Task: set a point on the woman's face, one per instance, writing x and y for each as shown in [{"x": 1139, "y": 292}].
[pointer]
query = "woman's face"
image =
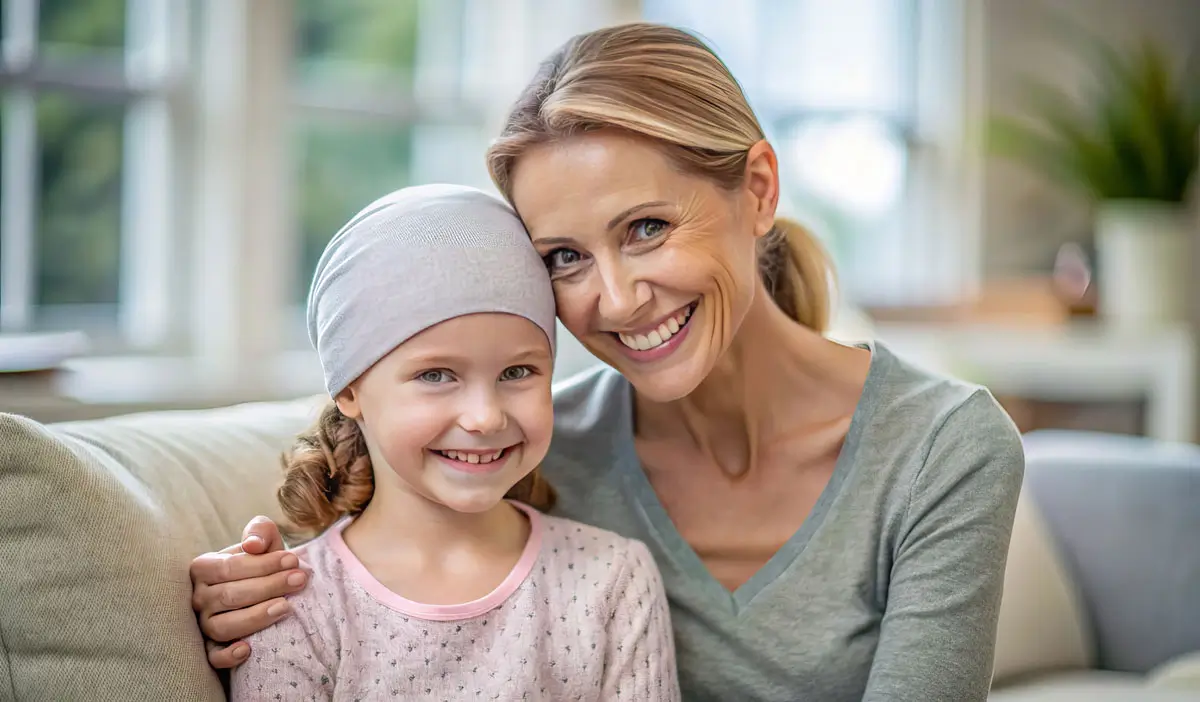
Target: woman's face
[{"x": 653, "y": 270}]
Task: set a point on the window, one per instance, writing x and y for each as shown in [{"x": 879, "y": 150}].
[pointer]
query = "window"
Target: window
[
  {"x": 389, "y": 93},
  {"x": 84, "y": 186},
  {"x": 858, "y": 98},
  {"x": 170, "y": 170},
  {"x": 352, "y": 130}
]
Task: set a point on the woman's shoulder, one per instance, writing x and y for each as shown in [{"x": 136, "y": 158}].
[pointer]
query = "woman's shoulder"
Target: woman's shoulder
[
  {"x": 924, "y": 402},
  {"x": 933, "y": 426},
  {"x": 592, "y": 425},
  {"x": 591, "y": 399}
]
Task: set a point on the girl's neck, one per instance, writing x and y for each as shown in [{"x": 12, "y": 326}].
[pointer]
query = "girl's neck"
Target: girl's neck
[
  {"x": 776, "y": 376},
  {"x": 399, "y": 519}
]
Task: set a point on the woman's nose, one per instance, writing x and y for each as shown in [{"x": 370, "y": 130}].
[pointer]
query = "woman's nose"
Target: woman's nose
[{"x": 622, "y": 294}]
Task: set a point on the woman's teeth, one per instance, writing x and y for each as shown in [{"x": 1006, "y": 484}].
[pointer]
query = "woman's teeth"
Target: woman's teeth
[
  {"x": 472, "y": 457},
  {"x": 658, "y": 337}
]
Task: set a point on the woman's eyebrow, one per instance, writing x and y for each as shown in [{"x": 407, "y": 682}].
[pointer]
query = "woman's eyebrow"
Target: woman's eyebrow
[
  {"x": 553, "y": 241},
  {"x": 625, "y": 214}
]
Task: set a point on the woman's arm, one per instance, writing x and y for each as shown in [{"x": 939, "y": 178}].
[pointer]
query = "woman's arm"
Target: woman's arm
[
  {"x": 639, "y": 664},
  {"x": 240, "y": 590},
  {"x": 938, "y": 634}
]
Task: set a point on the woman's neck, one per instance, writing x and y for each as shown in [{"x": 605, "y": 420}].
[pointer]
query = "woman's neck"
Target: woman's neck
[{"x": 777, "y": 378}]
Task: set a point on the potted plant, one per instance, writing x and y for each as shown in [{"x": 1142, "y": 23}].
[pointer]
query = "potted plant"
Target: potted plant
[{"x": 1129, "y": 145}]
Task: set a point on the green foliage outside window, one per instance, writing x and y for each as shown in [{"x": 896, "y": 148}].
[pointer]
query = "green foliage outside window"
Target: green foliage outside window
[
  {"x": 79, "y": 163},
  {"x": 341, "y": 164}
]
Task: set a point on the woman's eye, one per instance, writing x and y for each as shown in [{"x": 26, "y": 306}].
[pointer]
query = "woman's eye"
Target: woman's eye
[
  {"x": 647, "y": 229},
  {"x": 516, "y": 373},
  {"x": 561, "y": 258},
  {"x": 434, "y": 376}
]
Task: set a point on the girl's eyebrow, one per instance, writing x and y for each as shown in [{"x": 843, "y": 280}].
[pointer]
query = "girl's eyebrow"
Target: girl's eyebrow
[{"x": 451, "y": 359}]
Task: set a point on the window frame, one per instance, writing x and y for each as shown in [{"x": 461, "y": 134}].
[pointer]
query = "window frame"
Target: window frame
[
  {"x": 216, "y": 296},
  {"x": 147, "y": 82}
]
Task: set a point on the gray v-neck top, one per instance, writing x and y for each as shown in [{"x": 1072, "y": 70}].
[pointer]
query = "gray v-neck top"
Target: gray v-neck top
[{"x": 890, "y": 590}]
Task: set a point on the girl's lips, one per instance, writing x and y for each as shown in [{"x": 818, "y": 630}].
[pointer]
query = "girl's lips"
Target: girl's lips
[{"x": 476, "y": 468}]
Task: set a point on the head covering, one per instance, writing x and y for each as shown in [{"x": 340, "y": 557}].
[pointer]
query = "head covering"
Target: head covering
[{"x": 412, "y": 259}]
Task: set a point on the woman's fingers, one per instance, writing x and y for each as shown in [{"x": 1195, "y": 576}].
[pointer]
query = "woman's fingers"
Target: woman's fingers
[
  {"x": 261, "y": 535},
  {"x": 224, "y": 625},
  {"x": 231, "y": 564},
  {"x": 239, "y": 593},
  {"x": 229, "y": 656}
]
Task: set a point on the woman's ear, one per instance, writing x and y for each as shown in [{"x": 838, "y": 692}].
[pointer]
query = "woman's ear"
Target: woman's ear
[
  {"x": 762, "y": 185},
  {"x": 347, "y": 403}
]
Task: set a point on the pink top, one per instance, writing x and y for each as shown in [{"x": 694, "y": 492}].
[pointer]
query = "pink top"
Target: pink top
[
  {"x": 440, "y": 613},
  {"x": 582, "y": 616}
]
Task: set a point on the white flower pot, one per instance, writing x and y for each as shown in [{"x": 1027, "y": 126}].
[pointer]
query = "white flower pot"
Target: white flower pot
[{"x": 1144, "y": 262}]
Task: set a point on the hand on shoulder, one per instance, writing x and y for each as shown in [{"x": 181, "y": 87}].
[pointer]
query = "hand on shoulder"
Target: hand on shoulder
[{"x": 241, "y": 589}]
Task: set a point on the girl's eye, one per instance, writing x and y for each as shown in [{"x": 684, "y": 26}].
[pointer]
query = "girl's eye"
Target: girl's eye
[
  {"x": 647, "y": 229},
  {"x": 516, "y": 373},
  {"x": 435, "y": 377},
  {"x": 561, "y": 258}
]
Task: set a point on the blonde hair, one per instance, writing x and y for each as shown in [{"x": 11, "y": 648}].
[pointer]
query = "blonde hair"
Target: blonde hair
[
  {"x": 328, "y": 475},
  {"x": 665, "y": 85}
]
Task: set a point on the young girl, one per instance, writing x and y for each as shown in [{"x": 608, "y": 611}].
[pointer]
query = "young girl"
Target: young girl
[{"x": 435, "y": 576}]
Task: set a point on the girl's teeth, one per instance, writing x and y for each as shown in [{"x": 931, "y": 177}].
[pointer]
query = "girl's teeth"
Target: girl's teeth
[
  {"x": 472, "y": 457},
  {"x": 658, "y": 337}
]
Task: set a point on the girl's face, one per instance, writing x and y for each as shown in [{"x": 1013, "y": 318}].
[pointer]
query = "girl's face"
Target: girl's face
[
  {"x": 459, "y": 412},
  {"x": 654, "y": 270}
]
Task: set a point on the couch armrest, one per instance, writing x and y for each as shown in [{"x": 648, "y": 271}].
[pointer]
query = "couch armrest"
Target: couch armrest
[{"x": 1124, "y": 513}]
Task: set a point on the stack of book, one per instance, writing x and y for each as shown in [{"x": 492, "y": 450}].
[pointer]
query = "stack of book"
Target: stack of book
[{"x": 33, "y": 363}]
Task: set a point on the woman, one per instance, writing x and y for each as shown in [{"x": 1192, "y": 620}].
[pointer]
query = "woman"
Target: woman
[{"x": 831, "y": 523}]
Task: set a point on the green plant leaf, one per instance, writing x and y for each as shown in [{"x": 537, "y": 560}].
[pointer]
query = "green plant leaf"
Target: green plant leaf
[{"x": 1132, "y": 133}]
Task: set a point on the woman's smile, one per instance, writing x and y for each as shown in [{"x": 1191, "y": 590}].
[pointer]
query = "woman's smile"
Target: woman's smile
[{"x": 659, "y": 339}]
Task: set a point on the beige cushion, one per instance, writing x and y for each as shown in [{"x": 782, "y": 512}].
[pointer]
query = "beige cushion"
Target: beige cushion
[
  {"x": 1041, "y": 625},
  {"x": 1182, "y": 673},
  {"x": 100, "y": 520}
]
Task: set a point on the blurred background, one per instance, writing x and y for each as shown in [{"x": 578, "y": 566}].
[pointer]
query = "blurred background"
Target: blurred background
[{"x": 1005, "y": 185}]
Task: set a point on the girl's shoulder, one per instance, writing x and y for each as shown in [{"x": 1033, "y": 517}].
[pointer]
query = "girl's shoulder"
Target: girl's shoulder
[
  {"x": 326, "y": 560},
  {"x": 591, "y": 553}
]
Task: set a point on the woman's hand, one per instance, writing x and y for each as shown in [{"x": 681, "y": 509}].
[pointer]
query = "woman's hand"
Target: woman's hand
[{"x": 240, "y": 590}]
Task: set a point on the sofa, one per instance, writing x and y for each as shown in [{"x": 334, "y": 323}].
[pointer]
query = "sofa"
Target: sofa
[
  {"x": 99, "y": 520},
  {"x": 1102, "y": 590}
]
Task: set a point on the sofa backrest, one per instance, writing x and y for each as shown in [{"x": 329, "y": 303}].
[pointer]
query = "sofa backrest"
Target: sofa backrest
[
  {"x": 98, "y": 522},
  {"x": 1124, "y": 512}
]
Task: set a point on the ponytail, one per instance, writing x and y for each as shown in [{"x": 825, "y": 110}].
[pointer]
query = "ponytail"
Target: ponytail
[
  {"x": 797, "y": 273},
  {"x": 534, "y": 491},
  {"x": 327, "y": 475}
]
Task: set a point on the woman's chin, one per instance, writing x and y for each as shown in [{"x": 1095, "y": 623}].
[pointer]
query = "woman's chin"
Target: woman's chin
[
  {"x": 665, "y": 383},
  {"x": 671, "y": 377}
]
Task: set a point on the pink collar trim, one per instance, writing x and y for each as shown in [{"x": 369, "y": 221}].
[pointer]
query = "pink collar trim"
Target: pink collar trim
[{"x": 443, "y": 613}]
